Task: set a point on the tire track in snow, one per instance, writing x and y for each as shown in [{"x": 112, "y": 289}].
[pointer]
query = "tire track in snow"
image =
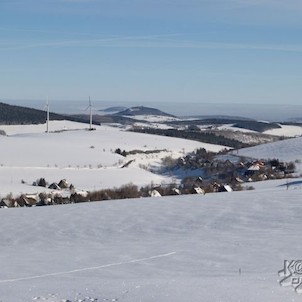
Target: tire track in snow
[{"x": 88, "y": 268}]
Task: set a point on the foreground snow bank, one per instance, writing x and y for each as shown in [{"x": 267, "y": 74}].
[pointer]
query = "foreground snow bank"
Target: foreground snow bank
[{"x": 217, "y": 247}]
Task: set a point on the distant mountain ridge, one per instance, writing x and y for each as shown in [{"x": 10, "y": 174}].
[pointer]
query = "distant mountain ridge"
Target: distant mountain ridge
[
  {"x": 142, "y": 110},
  {"x": 14, "y": 115},
  {"x": 115, "y": 109}
]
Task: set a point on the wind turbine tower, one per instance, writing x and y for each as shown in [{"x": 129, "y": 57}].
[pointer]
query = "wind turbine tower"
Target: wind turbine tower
[
  {"x": 90, "y": 114},
  {"x": 47, "y": 116},
  {"x": 90, "y": 120}
]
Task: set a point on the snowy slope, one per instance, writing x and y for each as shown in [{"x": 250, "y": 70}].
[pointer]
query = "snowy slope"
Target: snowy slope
[
  {"x": 233, "y": 128},
  {"x": 85, "y": 158},
  {"x": 286, "y": 130},
  {"x": 218, "y": 247},
  {"x": 287, "y": 150},
  {"x": 185, "y": 248},
  {"x": 155, "y": 118},
  {"x": 40, "y": 128}
]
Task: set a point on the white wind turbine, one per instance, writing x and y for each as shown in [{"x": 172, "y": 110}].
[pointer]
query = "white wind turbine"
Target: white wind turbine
[
  {"x": 47, "y": 116},
  {"x": 90, "y": 115}
]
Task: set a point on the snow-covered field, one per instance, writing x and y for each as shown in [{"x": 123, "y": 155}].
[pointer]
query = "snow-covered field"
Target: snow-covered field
[
  {"x": 225, "y": 247},
  {"x": 155, "y": 118},
  {"x": 84, "y": 158},
  {"x": 286, "y": 130},
  {"x": 287, "y": 150},
  {"x": 217, "y": 247}
]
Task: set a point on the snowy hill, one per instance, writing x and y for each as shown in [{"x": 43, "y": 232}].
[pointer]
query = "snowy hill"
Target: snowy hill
[
  {"x": 287, "y": 150},
  {"x": 85, "y": 158},
  {"x": 12, "y": 115},
  {"x": 215, "y": 247},
  {"x": 286, "y": 130},
  {"x": 218, "y": 247}
]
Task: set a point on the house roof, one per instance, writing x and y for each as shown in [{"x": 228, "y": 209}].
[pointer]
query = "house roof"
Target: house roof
[
  {"x": 254, "y": 167},
  {"x": 228, "y": 188}
]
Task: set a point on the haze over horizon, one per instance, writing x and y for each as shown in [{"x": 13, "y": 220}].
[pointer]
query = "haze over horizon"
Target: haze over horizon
[
  {"x": 216, "y": 52},
  {"x": 273, "y": 113}
]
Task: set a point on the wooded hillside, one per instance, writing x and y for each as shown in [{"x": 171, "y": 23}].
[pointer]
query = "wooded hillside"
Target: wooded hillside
[{"x": 10, "y": 115}]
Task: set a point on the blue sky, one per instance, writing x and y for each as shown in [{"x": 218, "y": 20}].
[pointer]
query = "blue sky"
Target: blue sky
[{"x": 211, "y": 51}]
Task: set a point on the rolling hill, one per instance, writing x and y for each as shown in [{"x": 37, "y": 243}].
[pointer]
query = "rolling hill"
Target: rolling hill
[
  {"x": 215, "y": 247},
  {"x": 142, "y": 110},
  {"x": 287, "y": 150},
  {"x": 14, "y": 115}
]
